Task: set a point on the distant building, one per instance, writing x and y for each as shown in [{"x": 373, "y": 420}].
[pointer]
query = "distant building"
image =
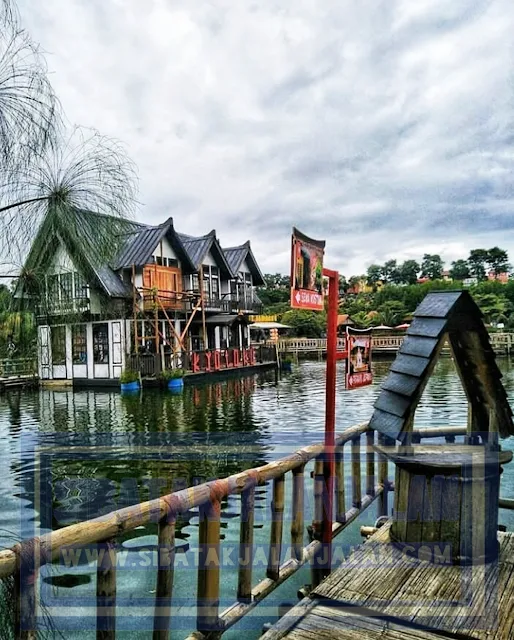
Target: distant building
[
  {"x": 468, "y": 282},
  {"x": 500, "y": 277}
]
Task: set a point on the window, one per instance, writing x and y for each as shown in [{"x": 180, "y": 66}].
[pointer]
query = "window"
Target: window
[
  {"x": 52, "y": 283},
  {"x": 195, "y": 282},
  {"x": 215, "y": 271},
  {"x": 79, "y": 343},
  {"x": 81, "y": 292},
  {"x": 206, "y": 280},
  {"x": 159, "y": 260},
  {"x": 173, "y": 262},
  {"x": 101, "y": 343},
  {"x": 58, "y": 342},
  {"x": 66, "y": 287},
  {"x": 215, "y": 288}
]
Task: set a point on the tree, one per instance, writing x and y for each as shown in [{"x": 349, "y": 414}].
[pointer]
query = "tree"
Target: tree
[
  {"x": 498, "y": 260},
  {"x": 343, "y": 286},
  {"x": 28, "y": 107},
  {"x": 477, "y": 261},
  {"x": 459, "y": 270},
  {"x": 391, "y": 313},
  {"x": 432, "y": 266},
  {"x": 409, "y": 272},
  {"x": 306, "y": 324},
  {"x": 391, "y": 272},
  {"x": 86, "y": 172},
  {"x": 374, "y": 274},
  {"x": 276, "y": 281}
]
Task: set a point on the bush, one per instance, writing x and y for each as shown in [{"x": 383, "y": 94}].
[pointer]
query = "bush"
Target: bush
[
  {"x": 172, "y": 374},
  {"x": 128, "y": 376}
]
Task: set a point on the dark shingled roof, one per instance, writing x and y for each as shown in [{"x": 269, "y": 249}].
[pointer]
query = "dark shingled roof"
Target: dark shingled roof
[
  {"x": 142, "y": 244},
  {"x": 451, "y": 314},
  {"x": 198, "y": 247},
  {"x": 237, "y": 255}
]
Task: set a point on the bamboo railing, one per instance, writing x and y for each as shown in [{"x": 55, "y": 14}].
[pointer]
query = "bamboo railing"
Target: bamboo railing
[{"x": 24, "y": 559}]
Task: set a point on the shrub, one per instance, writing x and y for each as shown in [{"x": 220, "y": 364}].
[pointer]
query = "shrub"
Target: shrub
[
  {"x": 128, "y": 376},
  {"x": 172, "y": 374}
]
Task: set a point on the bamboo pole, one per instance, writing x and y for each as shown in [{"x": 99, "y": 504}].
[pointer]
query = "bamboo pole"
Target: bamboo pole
[
  {"x": 339, "y": 489},
  {"x": 106, "y": 591},
  {"x": 244, "y": 586},
  {"x": 382, "y": 507},
  {"x": 208, "y": 593},
  {"x": 128, "y": 518},
  {"x": 166, "y": 555},
  {"x": 370, "y": 463},
  {"x": 317, "y": 523},
  {"x": 277, "y": 522},
  {"x": 298, "y": 508},
  {"x": 356, "y": 473}
]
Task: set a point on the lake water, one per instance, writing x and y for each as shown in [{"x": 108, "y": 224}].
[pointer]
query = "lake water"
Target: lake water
[{"x": 68, "y": 456}]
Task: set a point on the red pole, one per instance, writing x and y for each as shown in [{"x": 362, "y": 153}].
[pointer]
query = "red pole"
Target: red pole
[{"x": 330, "y": 416}]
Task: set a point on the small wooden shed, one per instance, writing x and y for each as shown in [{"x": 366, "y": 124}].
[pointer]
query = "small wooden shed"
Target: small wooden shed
[{"x": 446, "y": 493}]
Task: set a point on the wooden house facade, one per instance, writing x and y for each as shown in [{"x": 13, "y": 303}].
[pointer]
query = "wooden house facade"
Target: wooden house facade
[{"x": 115, "y": 290}]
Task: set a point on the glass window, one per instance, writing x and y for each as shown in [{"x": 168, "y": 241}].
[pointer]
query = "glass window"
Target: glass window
[
  {"x": 52, "y": 283},
  {"x": 101, "y": 343},
  {"x": 215, "y": 271},
  {"x": 196, "y": 282},
  {"x": 81, "y": 292},
  {"x": 79, "y": 343},
  {"x": 58, "y": 341},
  {"x": 215, "y": 287},
  {"x": 173, "y": 262},
  {"x": 66, "y": 287},
  {"x": 159, "y": 260}
]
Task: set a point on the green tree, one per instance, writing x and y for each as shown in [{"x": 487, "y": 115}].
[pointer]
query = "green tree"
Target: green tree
[
  {"x": 361, "y": 319},
  {"x": 391, "y": 272},
  {"x": 494, "y": 307},
  {"x": 374, "y": 275},
  {"x": 477, "y": 260},
  {"x": 498, "y": 260},
  {"x": 306, "y": 324},
  {"x": 392, "y": 312},
  {"x": 459, "y": 270},
  {"x": 409, "y": 271},
  {"x": 432, "y": 266}
]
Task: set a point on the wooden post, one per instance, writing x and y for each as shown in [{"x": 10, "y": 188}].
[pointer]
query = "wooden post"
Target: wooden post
[
  {"x": 370, "y": 464},
  {"x": 209, "y": 567},
  {"x": 356, "y": 473},
  {"x": 202, "y": 298},
  {"x": 136, "y": 337},
  {"x": 166, "y": 556},
  {"x": 297, "y": 519},
  {"x": 316, "y": 572},
  {"x": 382, "y": 508},
  {"x": 277, "y": 514},
  {"x": 25, "y": 593},
  {"x": 340, "y": 493},
  {"x": 244, "y": 586},
  {"x": 106, "y": 591}
]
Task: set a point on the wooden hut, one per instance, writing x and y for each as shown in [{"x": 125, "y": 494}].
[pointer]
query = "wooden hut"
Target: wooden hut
[{"x": 446, "y": 493}]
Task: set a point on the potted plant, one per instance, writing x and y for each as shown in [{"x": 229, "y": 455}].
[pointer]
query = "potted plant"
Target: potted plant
[
  {"x": 174, "y": 378},
  {"x": 286, "y": 363},
  {"x": 129, "y": 380}
]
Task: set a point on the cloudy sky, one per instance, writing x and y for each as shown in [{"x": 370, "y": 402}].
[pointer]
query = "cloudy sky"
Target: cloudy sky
[{"x": 384, "y": 126}]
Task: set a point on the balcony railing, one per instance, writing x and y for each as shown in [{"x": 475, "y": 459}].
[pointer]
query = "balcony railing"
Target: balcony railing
[{"x": 63, "y": 307}]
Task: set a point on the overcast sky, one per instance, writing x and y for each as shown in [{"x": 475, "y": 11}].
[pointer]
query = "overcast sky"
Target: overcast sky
[{"x": 384, "y": 126}]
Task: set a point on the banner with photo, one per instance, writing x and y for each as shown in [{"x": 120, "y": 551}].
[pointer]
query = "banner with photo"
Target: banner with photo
[
  {"x": 358, "y": 361},
  {"x": 307, "y": 272}
]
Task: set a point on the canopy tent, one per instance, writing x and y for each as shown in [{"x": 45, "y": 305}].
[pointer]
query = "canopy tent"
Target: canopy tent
[{"x": 269, "y": 325}]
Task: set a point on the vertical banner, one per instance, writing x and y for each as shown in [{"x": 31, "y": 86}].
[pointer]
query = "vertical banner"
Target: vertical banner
[
  {"x": 306, "y": 272},
  {"x": 358, "y": 361}
]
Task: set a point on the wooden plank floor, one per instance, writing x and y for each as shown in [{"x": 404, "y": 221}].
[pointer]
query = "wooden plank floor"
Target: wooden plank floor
[{"x": 381, "y": 592}]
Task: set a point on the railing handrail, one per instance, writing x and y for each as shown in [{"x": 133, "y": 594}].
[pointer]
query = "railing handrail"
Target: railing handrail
[{"x": 173, "y": 504}]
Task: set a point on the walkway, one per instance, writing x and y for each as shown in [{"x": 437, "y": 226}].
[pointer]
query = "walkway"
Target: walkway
[{"x": 382, "y": 592}]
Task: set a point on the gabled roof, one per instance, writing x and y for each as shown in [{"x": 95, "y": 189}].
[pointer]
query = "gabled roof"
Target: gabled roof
[
  {"x": 237, "y": 255},
  {"x": 453, "y": 315},
  {"x": 198, "y": 247},
  {"x": 92, "y": 240},
  {"x": 142, "y": 245}
]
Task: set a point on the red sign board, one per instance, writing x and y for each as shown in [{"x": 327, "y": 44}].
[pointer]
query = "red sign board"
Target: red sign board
[
  {"x": 307, "y": 272},
  {"x": 358, "y": 361}
]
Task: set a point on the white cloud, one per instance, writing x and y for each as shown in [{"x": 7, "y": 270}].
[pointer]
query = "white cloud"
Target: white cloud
[{"x": 387, "y": 131}]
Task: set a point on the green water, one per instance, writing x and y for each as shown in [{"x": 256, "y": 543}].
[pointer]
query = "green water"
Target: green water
[{"x": 68, "y": 456}]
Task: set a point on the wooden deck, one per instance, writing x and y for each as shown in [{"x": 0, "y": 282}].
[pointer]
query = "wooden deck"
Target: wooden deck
[{"x": 380, "y": 592}]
